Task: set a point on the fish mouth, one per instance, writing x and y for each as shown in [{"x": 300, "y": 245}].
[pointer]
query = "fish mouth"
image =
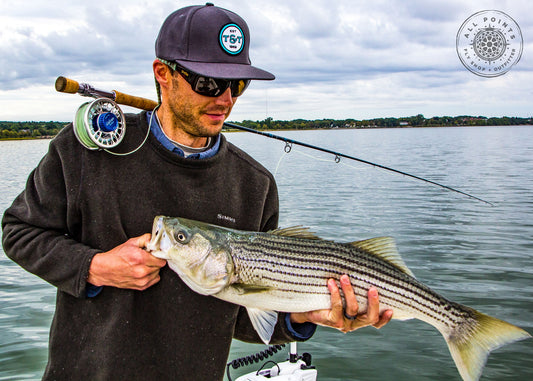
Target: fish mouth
[{"x": 158, "y": 235}]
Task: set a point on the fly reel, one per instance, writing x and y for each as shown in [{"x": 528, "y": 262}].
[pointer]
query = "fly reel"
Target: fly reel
[{"x": 99, "y": 124}]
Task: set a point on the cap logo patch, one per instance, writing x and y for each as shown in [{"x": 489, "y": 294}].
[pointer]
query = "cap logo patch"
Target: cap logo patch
[{"x": 231, "y": 39}]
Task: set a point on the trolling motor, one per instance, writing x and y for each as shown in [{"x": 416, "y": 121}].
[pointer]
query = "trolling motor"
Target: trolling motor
[
  {"x": 296, "y": 368},
  {"x": 100, "y": 124}
]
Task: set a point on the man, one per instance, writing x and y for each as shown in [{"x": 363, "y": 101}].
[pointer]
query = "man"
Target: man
[{"x": 120, "y": 312}]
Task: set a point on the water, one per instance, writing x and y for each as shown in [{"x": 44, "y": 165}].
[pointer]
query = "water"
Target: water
[
  {"x": 471, "y": 252},
  {"x": 26, "y": 302}
]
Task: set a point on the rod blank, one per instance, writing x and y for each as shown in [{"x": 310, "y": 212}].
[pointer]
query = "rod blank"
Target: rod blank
[{"x": 339, "y": 155}]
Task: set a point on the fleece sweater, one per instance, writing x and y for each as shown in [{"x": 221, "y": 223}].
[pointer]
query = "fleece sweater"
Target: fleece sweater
[{"x": 79, "y": 202}]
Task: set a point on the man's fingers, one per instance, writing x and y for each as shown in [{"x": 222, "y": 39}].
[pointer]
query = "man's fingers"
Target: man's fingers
[
  {"x": 336, "y": 302},
  {"x": 149, "y": 260},
  {"x": 352, "y": 307},
  {"x": 152, "y": 261},
  {"x": 385, "y": 318},
  {"x": 335, "y": 316},
  {"x": 373, "y": 306}
]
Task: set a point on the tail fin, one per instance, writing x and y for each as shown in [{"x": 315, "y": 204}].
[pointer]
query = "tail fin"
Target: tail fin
[{"x": 470, "y": 346}]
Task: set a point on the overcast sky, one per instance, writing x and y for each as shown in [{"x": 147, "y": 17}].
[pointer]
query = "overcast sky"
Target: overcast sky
[{"x": 332, "y": 58}]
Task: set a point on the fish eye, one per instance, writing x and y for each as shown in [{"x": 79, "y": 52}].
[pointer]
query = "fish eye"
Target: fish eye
[{"x": 181, "y": 236}]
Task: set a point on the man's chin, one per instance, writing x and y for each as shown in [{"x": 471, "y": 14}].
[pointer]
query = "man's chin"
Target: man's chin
[{"x": 213, "y": 125}]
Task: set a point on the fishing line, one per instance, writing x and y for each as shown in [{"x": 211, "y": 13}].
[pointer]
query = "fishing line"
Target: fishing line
[
  {"x": 286, "y": 153},
  {"x": 145, "y": 138},
  {"x": 286, "y": 150},
  {"x": 337, "y": 159},
  {"x": 279, "y": 162}
]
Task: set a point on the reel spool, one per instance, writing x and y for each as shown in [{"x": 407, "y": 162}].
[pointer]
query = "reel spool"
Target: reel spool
[{"x": 99, "y": 124}]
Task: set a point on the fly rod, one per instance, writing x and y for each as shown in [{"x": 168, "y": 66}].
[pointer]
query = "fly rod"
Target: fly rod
[{"x": 67, "y": 85}]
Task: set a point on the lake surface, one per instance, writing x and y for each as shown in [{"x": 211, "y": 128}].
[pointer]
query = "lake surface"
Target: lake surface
[{"x": 470, "y": 252}]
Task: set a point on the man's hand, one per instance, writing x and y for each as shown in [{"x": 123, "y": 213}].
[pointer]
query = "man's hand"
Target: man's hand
[
  {"x": 338, "y": 318},
  {"x": 126, "y": 266}
]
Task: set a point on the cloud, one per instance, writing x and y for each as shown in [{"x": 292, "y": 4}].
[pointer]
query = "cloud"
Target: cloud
[
  {"x": 343, "y": 58},
  {"x": 96, "y": 41}
]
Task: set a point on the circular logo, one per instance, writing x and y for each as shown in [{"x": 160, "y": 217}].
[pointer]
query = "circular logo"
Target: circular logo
[
  {"x": 231, "y": 39},
  {"x": 489, "y": 43}
]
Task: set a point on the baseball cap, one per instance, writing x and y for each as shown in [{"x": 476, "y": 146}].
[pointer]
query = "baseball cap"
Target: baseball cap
[{"x": 209, "y": 41}]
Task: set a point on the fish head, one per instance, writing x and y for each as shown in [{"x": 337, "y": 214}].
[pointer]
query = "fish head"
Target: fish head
[{"x": 195, "y": 251}]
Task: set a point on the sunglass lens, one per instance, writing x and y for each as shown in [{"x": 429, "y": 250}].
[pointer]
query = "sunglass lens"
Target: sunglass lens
[
  {"x": 238, "y": 87},
  {"x": 208, "y": 86},
  {"x": 214, "y": 87}
]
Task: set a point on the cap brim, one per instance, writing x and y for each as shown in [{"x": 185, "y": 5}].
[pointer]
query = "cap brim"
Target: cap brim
[{"x": 226, "y": 70}]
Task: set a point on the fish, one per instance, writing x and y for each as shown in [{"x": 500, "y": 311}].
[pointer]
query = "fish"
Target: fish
[{"x": 286, "y": 270}]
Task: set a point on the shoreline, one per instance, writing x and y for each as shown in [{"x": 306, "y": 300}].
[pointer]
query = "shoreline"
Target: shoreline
[
  {"x": 312, "y": 129},
  {"x": 27, "y": 138},
  {"x": 370, "y": 128}
]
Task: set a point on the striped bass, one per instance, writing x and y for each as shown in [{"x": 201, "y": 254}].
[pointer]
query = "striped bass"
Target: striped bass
[{"x": 287, "y": 270}]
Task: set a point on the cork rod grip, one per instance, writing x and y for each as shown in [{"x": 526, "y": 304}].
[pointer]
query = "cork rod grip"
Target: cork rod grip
[
  {"x": 133, "y": 101},
  {"x": 66, "y": 85}
]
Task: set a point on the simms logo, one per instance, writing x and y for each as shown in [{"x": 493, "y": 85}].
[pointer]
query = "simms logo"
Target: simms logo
[
  {"x": 226, "y": 218},
  {"x": 232, "y": 39},
  {"x": 489, "y": 43}
]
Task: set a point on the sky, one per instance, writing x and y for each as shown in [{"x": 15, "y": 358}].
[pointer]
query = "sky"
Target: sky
[{"x": 338, "y": 59}]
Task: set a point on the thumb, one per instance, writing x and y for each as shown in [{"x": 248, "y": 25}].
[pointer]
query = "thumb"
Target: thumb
[{"x": 142, "y": 241}]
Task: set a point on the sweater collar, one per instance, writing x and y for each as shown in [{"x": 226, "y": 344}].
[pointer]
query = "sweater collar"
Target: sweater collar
[{"x": 167, "y": 143}]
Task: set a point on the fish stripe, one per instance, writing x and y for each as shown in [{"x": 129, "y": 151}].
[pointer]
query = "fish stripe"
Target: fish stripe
[
  {"x": 387, "y": 294},
  {"x": 299, "y": 254}
]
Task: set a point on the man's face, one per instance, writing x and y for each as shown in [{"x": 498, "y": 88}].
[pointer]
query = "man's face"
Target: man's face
[{"x": 195, "y": 114}]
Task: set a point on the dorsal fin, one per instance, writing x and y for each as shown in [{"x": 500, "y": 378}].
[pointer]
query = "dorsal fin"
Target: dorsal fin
[
  {"x": 298, "y": 231},
  {"x": 384, "y": 248}
]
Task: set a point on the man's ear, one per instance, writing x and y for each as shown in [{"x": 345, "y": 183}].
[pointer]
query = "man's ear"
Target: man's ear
[{"x": 162, "y": 73}]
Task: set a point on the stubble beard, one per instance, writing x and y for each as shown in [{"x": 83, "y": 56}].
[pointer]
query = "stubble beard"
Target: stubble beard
[{"x": 189, "y": 120}]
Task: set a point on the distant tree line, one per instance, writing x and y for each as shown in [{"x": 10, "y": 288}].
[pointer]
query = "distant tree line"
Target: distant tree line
[
  {"x": 411, "y": 121},
  {"x": 32, "y": 130},
  {"x": 29, "y": 130}
]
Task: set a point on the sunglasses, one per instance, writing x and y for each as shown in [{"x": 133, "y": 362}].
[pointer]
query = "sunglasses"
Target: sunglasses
[{"x": 213, "y": 87}]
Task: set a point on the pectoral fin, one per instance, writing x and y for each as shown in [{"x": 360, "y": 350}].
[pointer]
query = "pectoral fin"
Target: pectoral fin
[
  {"x": 244, "y": 289},
  {"x": 264, "y": 322}
]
